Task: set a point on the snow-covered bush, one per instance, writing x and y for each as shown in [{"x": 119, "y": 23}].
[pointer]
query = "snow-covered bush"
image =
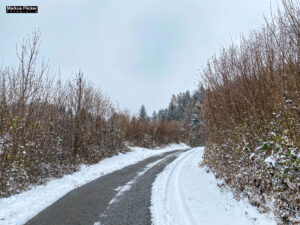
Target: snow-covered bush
[
  {"x": 48, "y": 128},
  {"x": 252, "y": 116}
]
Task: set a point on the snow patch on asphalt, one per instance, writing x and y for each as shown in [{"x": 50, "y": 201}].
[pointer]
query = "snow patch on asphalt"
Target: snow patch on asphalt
[
  {"x": 184, "y": 193},
  {"x": 122, "y": 189},
  {"x": 20, "y": 208}
]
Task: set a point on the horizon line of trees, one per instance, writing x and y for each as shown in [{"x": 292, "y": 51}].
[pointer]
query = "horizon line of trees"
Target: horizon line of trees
[{"x": 181, "y": 121}]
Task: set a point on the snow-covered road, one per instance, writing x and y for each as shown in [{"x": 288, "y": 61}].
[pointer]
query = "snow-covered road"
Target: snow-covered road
[
  {"x": 18, "y": 209},
  {"x": 183, "y": 192},
  {"x": 186, "y": 194}
]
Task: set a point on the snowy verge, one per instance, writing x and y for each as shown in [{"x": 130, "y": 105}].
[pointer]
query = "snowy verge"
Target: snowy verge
[
  {"x": 185, "y": 193},
  {"x": 18, "y": 209}
]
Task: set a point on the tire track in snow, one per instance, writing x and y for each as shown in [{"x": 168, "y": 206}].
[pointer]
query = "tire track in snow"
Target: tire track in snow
[
  {"x": 174, "y": 183},
  {"x": 184, "y": 193},
  {"x": 172, "y": 195}
]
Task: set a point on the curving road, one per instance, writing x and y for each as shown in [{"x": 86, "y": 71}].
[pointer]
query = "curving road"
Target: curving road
[{"x": 122, "y": 197}]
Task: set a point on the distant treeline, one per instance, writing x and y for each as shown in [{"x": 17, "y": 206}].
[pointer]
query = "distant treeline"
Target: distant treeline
[
  {"x": 48, "y": 127},
  {"x": 181, "y": 121}
]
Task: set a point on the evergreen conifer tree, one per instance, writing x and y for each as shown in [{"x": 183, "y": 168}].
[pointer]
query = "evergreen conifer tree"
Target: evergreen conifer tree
[
  {"x": 154, "y": 117},
  {"x": 143, "y": 113}
]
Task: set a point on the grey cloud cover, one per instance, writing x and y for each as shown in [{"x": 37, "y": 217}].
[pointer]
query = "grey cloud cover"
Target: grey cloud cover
[{"x": 138, "y": 52}]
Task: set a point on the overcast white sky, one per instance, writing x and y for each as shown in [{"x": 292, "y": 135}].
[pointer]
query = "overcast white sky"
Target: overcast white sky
[{"x": 137, "y": 51}]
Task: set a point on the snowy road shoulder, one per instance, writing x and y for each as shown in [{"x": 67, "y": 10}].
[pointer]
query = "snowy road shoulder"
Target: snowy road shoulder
[
  {"x": 184, "y": 193},
  {"x": 18, "y": 209}
]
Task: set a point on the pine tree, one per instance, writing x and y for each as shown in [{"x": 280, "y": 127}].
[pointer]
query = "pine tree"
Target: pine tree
[
  {"x": 162, "y": 115},
  {"x": 154, "y": 117},
  {"x": 196, "y": 122},
  {"x": 172, "y": 111},
  {"x": 143, "y": 113}
]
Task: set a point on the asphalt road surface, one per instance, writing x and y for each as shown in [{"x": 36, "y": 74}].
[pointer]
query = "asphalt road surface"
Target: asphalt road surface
[{"x": 122, "y": 197}]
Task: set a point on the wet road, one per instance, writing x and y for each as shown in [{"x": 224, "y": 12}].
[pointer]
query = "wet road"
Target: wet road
[{"x": 122, "y": 197}]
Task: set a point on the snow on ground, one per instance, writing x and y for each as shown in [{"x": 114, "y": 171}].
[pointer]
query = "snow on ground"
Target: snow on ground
[
  {"x": 185, "y": 194},
  {"x": 18, "y": 209}
]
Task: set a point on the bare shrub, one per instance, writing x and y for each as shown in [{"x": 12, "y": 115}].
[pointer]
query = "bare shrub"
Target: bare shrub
[
  {"x": 48, "y": 127},
  {"x": 252, "y": 114}
]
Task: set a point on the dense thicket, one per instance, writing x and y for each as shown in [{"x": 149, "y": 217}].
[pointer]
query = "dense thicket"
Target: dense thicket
[
  {"x": 144, "y": 133},
  {"x": 47, "y": 127},
  {"x": 252, "y": 115}
]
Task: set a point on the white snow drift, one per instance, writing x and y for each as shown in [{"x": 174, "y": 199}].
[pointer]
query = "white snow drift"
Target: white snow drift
[
  {"x": 186, "y": 194},
  {"x": 18, "y": 209}
]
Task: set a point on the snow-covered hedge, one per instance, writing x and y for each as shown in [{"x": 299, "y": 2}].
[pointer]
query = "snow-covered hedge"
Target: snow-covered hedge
[{"x": 252, "y": 115}]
